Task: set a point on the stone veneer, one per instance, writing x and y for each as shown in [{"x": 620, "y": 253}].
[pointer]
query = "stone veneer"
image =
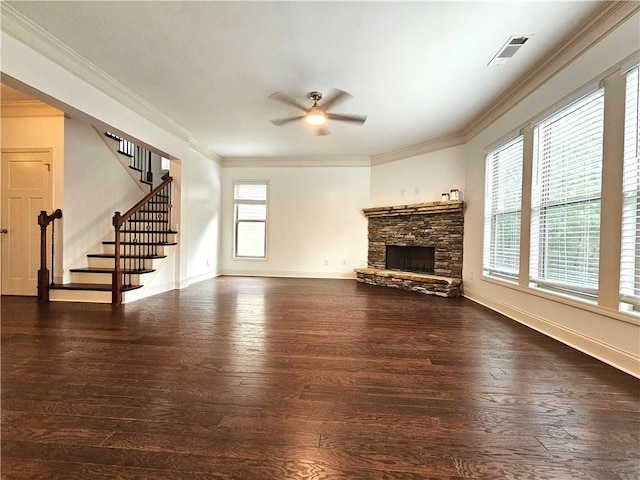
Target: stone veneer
[
  {"x": 433, "y": 224},
  {"x": 415, "y": 282}
]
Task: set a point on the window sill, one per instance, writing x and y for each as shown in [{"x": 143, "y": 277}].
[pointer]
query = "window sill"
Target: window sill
[
  {"x": 586, "y": 305},
  {"x": 250, "y": 259}
]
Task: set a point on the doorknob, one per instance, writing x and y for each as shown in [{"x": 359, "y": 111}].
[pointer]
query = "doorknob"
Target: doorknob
[{"x": 4, "y": 230}]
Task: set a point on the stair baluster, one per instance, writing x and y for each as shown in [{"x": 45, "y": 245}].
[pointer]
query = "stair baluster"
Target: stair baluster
[
  {"x": 140, "y": 158},
  {"x": 149, "y": 169}
]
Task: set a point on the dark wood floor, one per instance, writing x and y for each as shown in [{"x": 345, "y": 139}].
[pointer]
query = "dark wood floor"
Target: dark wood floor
[{"x": 254, "y": 378}]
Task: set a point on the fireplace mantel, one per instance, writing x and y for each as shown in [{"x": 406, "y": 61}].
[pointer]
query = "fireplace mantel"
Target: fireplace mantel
[{"x": 429, "y": 208}]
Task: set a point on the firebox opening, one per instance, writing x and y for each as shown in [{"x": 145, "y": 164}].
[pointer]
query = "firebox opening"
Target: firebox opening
[{"x": 410, "y": 259}]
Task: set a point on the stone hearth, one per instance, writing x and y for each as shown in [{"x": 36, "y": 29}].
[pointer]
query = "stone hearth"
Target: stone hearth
[
  {"x": 415, "y": 282},
  {"x": 435, "y": 224}
]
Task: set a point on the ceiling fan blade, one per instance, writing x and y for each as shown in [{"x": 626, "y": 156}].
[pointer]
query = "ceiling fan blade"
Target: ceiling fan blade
[
  {"x": 288, "y": 100},
  {"x": 360, "y": 119},
  {"x": 282, "y": 121},
  {"x": 336, "y": 97},
  {"x": 322, "y": 131}
]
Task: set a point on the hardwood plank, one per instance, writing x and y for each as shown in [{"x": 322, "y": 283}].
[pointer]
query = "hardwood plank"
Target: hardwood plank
[{"x": 266, "y": 378}]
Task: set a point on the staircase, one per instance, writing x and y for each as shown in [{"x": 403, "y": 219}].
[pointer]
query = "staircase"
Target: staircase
[
  {"x": 139, "y": 158},
  {"x": 141, "y": 239}
]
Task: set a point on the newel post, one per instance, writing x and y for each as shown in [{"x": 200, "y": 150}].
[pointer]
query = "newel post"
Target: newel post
[
  {"x": 116, "y": 281},
  {"x": 43, "y": 273}
]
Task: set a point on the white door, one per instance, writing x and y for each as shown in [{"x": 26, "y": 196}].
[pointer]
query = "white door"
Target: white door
[{"x": 26, "y": 190}]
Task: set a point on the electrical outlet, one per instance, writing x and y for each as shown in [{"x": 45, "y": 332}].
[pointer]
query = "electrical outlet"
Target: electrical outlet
[
  {"x": 402, "y": 193},
  {"x": 326, "y": 262},
  {"x": 417, "y": 191},
  {"x": 472, "y": 275},
  {"x": 344, "y": 263}
]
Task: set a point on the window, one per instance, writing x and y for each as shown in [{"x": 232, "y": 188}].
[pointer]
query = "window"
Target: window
[
  {"x": 565, "y": 197},
  {"x": 630, "y": 258},
  {"x": 250, "y": 216},
  {"x": 501, "y": 256}
]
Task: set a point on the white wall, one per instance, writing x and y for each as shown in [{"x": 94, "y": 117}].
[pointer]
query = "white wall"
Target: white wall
[
  {"x": 201, "y": 216},
  {"x": 96, "y": 185},
  {"x": 418, "y": 179},
  {"x": 599, "y": 331},
  {"x": 314, "y": 217}
]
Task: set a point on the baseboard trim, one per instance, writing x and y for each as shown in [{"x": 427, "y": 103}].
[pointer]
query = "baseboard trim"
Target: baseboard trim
[
  {"x": 200, "y": 278},
  {"x": 289, "y": 274},
  {"x": 148, "y": 291},
  {"x": 602, "y": 351}
]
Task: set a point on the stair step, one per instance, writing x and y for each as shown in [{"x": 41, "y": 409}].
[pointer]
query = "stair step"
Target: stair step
[
  {"x": 168, "y": 232},
  {"x": 111, "y": 255},
  {"x": 146, "y": 220},
  {"x": 112, "y": 135},
  {"x": 95, "y": 287},
  {"x": 152, "y": 216},
  {"x": 110, "y": 270},
  {"x": 157, "y": 244}
]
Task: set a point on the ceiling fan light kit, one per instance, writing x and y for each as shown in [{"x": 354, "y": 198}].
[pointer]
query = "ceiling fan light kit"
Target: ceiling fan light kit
[{"x": 317, "y": 115}]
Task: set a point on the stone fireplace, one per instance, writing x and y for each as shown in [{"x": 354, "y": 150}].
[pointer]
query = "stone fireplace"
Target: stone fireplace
[{"x": 416, "y": 247}]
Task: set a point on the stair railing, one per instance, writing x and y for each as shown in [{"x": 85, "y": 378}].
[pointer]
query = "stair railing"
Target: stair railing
[
  {"x": 142, "y": 161},
  {"x": 44, "y": 220},
  {"x": 139, "y": 157},
  {"x": 138, "y": 233}
]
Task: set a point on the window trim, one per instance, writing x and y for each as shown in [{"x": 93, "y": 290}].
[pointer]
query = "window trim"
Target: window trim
[
  {"x": 236, "y": 222},
  {"x": 630, "y": 303},
  {"x": 490, "y": 215},
  {"x": 538, "y": 209}
]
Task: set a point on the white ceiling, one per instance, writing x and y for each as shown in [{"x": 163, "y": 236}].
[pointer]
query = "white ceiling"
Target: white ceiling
[{"x": 417, "y": 69}]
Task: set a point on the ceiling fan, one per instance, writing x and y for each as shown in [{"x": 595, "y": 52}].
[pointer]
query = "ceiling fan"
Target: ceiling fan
[{"x": 317, "y": 115}]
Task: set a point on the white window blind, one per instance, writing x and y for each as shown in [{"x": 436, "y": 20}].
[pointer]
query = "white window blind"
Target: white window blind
[
  {"x": 630, "y": 251},
  {"x": 503, "y": 194},
  {"x": 565, "y": 197},
  {"x": 250, "y": 215}
]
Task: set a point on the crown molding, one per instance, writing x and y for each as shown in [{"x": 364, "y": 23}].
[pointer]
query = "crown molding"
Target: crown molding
[
  {"x": 270, "y": 162},
  {"x": 201, "y": 149},
  {"x": 420, "y": 149},
  {"x": 24, "y": 30},
  {"x": 609, "y": 17},
  {"x": 29, "y": 108}
]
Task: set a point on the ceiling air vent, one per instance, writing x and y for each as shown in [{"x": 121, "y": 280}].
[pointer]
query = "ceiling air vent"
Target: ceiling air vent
[{"x": 508, "y": 50}]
